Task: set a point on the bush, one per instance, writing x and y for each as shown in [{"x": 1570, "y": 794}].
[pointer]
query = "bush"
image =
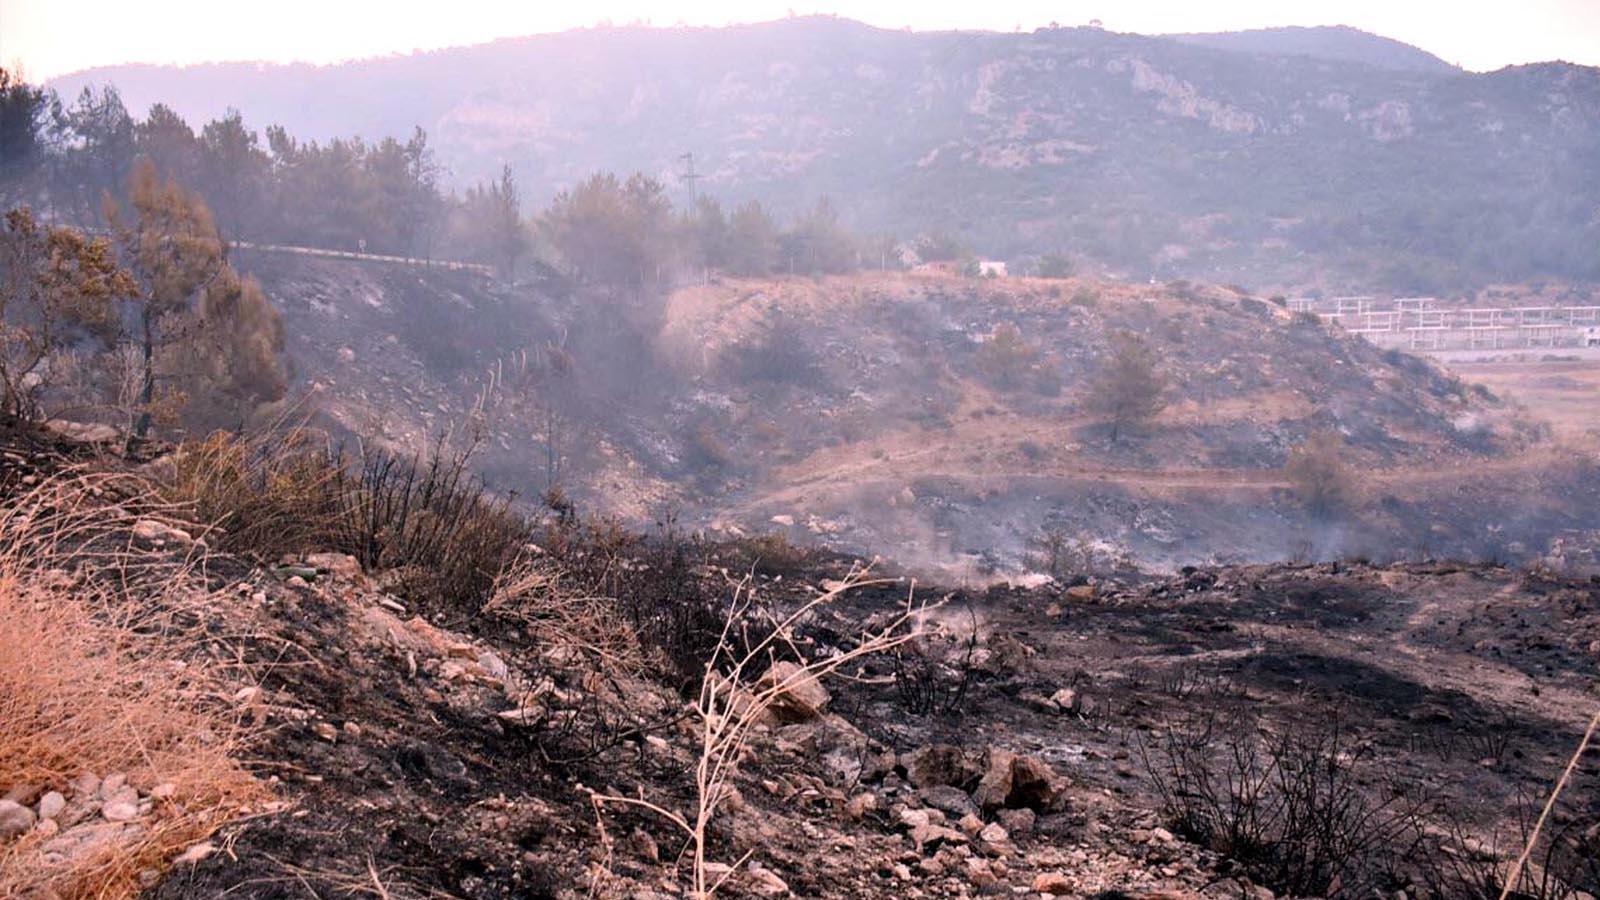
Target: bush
[
  {"x": 778, "y": 355},
  {"x": 1321, "y": 479},
  {"x": 1006, "y": 357},
  {"x": 1128, "y": 388}
]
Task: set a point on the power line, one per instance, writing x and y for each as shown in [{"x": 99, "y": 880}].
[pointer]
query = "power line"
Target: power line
[{"x": 688, "y": 175}]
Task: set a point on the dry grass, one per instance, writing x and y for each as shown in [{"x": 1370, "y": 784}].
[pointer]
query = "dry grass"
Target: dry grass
[
  {"x": 553, "y": 616},
  {"x": 89, "y": 686}
]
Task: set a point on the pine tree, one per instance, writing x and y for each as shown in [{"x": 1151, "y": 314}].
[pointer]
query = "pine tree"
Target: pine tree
[
  {"x": 1129, "y": 388},
  {"x": 204, "y": 333}
]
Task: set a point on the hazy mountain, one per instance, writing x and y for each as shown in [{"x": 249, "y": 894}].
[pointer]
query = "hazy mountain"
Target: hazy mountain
[
  {"x": 1333, "y": 42},
  {"x": 1146, "y": 155}
]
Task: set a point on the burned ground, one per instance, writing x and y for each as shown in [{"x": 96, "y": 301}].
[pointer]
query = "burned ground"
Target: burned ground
[{"x": 396, "y": 732}]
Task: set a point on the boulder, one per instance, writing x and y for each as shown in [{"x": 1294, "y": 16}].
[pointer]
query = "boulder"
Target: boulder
[
  {"x": 952, "y": 801},
  {"x": 800, "y": 696},
  {"x": 1016, "y": 782},
  {"x": 938, "y": 764}
]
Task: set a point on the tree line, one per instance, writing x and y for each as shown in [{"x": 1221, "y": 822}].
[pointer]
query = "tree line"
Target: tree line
[{"x": 389, "y": 197}]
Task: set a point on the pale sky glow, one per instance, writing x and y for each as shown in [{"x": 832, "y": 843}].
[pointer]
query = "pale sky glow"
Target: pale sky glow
[{"x": 54, "y": 37}]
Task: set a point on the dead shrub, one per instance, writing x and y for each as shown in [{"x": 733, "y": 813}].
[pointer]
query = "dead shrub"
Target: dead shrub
[
  {"x": 82, "y": 690},
  {"x": 740, "y": 684},
  {"x": 424, "y": 517},
  {"x": 934, "y": 670},
  {"x": 428, "y": 519},
  {"x": 1286, "y": 807},
  {"x": 772, "y": 554},
  {"x": 553, "y": 615}
]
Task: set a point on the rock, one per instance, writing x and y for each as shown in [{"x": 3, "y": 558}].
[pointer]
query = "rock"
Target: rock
[
  {"x": 1081, "y": 592},
  {"x": 339, "y": 565},
  {"x": 860, "y": 805},
  {"x": 1053, "y": 883},
  {"x": 914, "y": 818},
  {"x": 15, "y": 819},
  {"x": 838, "y": 745},
  {"x": 1039, "y": 702},
  {"x": 493, "y": 666},
  {"x": 326, "y": 731},
  {"x": 644, "y": 846},
  {"x": 51, "y": 805},
  {"x": 800, "y": 697},
  {"x": 47, "y": 828},
  {"x": 1014, "y": 782},
  {"x": 195, "y": 853},
  {"x": 121, "y": 809},
  {"x": 88, "y": 433},
  {"x": 527, "y": 716},
  {"x": 1066, "y": 699},
  {"x": 950, "y": 800},
  {"x": 112, "y": 785},
  {"x": 938, "y": 764},
  {"x": 765, "y": 882},
  {"x": 993, "y": 833},
  {"x": 980, "y": 873},
  {"x": 930, "y": 836},
  {"x": 1017, "y": 821},
  {"x": 970, "y": 825},
  {"x": 995, "y": 785},
  {"x": 152, "y": 531},
  {"x": 86, "y": 785}
]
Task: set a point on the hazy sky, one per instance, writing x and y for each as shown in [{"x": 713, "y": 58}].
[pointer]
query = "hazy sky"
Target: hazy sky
[{"x": 53, "y": 37}]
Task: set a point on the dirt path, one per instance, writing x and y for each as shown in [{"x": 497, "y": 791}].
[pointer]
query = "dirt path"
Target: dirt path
[{"x": 896, "y": 472}]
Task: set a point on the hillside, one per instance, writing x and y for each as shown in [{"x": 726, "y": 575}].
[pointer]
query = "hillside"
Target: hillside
[
  {"x": 1143, "y": 155},
  {"x": 874, "y": 413}
]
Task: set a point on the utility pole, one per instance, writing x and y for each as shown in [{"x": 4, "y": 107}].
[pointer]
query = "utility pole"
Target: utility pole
[{"x": 688, "y": 175}]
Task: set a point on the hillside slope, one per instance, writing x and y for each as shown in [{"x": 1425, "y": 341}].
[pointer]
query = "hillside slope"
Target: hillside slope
[
  {"x": 875, "y": 414},
  {"x": 1141, "y": 154}
]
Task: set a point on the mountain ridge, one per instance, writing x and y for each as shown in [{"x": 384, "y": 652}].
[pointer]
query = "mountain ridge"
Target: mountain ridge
[
  {"x": 1143, "y": 156},
  {"x": 1333, "y": 42}
]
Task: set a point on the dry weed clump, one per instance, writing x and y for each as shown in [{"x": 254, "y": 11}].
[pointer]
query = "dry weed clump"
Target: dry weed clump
[
  {"x": 742, "y": 682},
  {"x": 269, "y": 494},
  {"x": 553, "y": 615},
  {"x": 85, "y": 691}
]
